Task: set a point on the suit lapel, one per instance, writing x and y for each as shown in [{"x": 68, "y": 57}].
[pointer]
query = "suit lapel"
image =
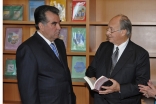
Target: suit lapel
[
  {"x": 108, "y": 59},
  {"x": 123, "y": 59},
  {"x": 61, "y": 56},
  {"x": 47, "y": 48}
]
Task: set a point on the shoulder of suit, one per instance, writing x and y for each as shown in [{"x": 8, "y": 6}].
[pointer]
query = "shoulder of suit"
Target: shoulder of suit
[{"x": 138, "y": 47}]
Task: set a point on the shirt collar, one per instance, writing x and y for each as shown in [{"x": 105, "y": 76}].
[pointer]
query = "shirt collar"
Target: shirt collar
[
  {"x": 121, "y": 46},
  {"x": 45, "y": 38}
]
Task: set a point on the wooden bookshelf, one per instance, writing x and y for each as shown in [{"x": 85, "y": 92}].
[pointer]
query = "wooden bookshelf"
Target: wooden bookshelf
[{"x": 98, "y": 13}]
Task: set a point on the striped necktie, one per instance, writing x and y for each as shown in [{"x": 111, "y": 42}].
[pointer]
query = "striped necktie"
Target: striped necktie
[{"x": 53, "y": 47}]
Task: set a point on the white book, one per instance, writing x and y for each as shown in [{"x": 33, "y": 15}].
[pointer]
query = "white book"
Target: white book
[{"x": 96, "y": 84}]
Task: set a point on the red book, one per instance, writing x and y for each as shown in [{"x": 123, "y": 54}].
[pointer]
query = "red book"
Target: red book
[{"x": 78, "y": 10}]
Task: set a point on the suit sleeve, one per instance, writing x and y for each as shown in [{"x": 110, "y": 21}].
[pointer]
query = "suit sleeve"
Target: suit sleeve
[
  {"x": 27, "y": 75},
  {"x": 91, "y": 70},
  {"x": 142, "y": 75}
]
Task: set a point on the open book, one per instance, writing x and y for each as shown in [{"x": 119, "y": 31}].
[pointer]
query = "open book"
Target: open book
[{"x": 96, "y": 84}]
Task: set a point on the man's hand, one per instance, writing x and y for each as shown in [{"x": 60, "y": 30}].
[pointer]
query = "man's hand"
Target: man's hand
[{"x": 110, "y": 89}]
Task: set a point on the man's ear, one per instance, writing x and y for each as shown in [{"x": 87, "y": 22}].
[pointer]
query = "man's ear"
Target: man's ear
[
  {"x": 123, "y": 32},
  {"x": 41, "y": 26}
]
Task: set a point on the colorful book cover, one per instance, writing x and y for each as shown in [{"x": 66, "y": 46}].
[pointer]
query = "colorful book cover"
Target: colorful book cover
[
  {"x": 61, "y": 5},
  {"x": 78, "y": 40},
  {"x": 13, "y": 38},
  {"x": 78, "y": 66},
  {"x": 33, "y": 4},
  {"x": 63, "y": 35},
  {"x": 10, "y": 67},
  {"x": 78, "y": 10},
  {"x": 13, "y": 12}
]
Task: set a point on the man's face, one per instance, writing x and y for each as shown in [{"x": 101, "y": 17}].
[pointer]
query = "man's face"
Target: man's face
[
  {"x": 113, "y": 32},
  {"x": 52, "y": 28}
]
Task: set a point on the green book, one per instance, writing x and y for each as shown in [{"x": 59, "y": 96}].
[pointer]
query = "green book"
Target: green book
[
  {"x": 78, "y": 39},
  {"x": 10, "y": 67},
  {"x": 13, "y": 12},
  {"x": 78, "y": 66}
]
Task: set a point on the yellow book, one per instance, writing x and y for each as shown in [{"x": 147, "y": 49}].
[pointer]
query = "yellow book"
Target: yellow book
[{"x": 61, "y": 5}]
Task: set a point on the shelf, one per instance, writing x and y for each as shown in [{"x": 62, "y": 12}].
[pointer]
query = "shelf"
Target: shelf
[
  {"x": 92, "y": 53},
  {"x": 102, "y": 23},
  {"x": 99, "y": 23},
  {"x": 144, "y": 23},
  {"x": 13, "y": 79},
  {"x": 9, "y": 52},
  {"x": 8, "y": 22},
  {"x": 9, "y": 79},
  {"x": 78, "y": 81},
  {"x": 152, "y": 54},
  {"x": 76, "y": 53},
  {"x": 12, "y": 102}
]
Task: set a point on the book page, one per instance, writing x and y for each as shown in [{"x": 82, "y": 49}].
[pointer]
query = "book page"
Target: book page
[
  {"x": 99, "y": 82},
  {"x": 90, "y": 81}
]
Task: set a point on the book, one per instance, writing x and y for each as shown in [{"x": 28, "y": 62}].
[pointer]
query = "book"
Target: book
[
  {"x": 10, "y": 67},
  {"x": 13, "y": 38},
  {"x": 13, "y": 12},
  {"x": 96, "y": 84},
  {"x": 63, "y": 35},
  {"x": 78, "y": 66},
  {"x": 33, "y": 4},
  {"x": 61, "y": 5},
  {"x": 78, "y": 39},
  {"x": 78, "y": 10}
]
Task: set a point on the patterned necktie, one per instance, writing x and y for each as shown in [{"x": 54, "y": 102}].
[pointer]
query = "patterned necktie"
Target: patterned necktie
[
  {"x": 53, "y": 47},
  {"x": 114, "y": 58}
]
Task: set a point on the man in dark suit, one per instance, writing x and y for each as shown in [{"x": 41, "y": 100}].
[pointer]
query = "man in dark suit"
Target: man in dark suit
[
  {"x": 132, "y": 66},
  {"x": 43, "y": 77}
]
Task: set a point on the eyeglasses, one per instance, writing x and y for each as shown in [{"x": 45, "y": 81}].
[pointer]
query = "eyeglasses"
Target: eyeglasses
[{"x": 108, "y": 29}]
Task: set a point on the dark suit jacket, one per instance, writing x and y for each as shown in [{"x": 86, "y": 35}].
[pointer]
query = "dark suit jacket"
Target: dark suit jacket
[
  {"x": 132, "y": 68},
  {"x": 42, "y": 78}
]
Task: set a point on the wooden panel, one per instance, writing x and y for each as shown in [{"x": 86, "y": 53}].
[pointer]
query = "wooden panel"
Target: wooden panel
[
  {"x": 137, "y": 11},
  {"x": 147, "y": 100},
  {"x": 10, "y": 92},
  {"x": 97, "y": 35},
  {"x": 153, "y": 70},
  {"x": 145, "y": 36},
  {"x": 80, "y": 94}
]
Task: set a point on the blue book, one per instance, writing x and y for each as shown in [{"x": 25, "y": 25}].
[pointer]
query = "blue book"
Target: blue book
[{"x": 33, "y": 4}]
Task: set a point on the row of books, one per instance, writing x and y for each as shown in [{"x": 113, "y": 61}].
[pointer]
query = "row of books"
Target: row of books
[
  {"x": 77, "y": 71},
  {"x": 13, "y": 38},
  {"x": 15, "y": 12}
]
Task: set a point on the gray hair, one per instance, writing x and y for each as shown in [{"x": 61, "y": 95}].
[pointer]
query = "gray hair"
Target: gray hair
[{"x": 125, "y": 23}]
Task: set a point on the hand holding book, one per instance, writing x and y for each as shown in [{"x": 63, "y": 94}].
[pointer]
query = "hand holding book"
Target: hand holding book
[{"x": 96, "y": 84}]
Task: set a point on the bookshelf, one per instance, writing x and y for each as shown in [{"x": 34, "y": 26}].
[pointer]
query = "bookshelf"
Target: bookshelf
[{"x": 98, "y": 13}]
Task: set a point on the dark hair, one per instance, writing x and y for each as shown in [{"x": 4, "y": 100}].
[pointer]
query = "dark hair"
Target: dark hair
[
  {"x": 125, "y": 23},
  {"x": 39, "y": 14}
]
